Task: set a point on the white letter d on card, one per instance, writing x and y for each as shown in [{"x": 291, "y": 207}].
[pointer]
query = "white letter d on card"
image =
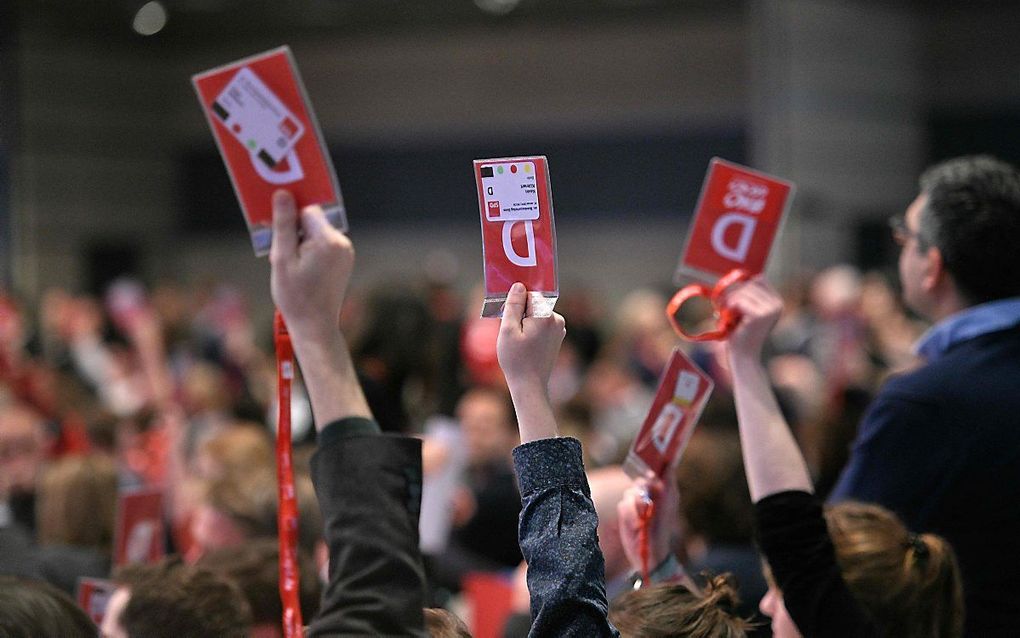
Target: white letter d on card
[
  {"x": 525, "y": 261},
  {"x": 739, "y": 251}
]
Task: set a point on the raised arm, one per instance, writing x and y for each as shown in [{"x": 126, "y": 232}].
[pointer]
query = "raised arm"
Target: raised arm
[
  {"x": 791, "y": 529},
  {"x": 772, "y": 460},
  {"x": 566, "y": 571},
  {"x": 368, "y": 485},
  {"x": 309, "y": 280}
]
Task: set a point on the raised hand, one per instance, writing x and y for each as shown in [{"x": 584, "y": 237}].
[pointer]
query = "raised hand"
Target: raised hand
[
  {"x": 663, "y": 528},
  {"x": 311, "y": 267},
  {"x": 527, "y": 346},
  {"x": 759, "y": 306},
  {"x": 527, "y": 349}
]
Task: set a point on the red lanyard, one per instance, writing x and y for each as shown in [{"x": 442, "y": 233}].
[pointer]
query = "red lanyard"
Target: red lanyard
[
  {"x": 646, "y": 512},
  {"x": 287, "y": 517},
  {"x": 726, "y": 318}
]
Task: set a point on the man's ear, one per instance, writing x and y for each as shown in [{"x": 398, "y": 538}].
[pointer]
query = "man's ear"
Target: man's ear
[{"x": 935, "y": 273}]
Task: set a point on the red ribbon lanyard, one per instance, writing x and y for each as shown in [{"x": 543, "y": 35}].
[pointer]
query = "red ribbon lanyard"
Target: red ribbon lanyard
[
  {"x": 726, "y": 318},
  {"x": 646, "y": 511},
  {"x": 287, "y": 517}
]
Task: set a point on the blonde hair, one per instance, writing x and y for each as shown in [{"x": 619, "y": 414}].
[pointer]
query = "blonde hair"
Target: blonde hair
[
  {"x": 77, "y": 502},
  {"x": 910, "y": 584}
]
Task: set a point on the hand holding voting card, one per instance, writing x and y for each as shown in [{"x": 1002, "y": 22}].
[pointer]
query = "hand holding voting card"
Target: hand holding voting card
[
  {"x": 682, "y": 395},
  {"x": 518, "y": 235},
  {"x": 738, "y": 216},
  {"x": 269, "y": 138}
]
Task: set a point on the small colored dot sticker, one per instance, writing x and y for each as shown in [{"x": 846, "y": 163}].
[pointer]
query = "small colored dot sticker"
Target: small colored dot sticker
[
  {"x": 499, "y": 169},
  {"x": 513, "y": 168},
  {"x": 527, "y": 168},
  {"x": 252, "y": 144}
]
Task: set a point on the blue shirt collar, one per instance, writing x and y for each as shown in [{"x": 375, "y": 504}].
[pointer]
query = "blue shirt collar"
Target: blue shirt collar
[{"x": 967, "y": 324}]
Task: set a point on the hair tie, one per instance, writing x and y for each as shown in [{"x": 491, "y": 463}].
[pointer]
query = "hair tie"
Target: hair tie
[{"x": 916, "y": 543}]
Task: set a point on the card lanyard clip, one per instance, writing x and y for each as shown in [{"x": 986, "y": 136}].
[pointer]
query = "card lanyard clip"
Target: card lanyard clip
[
  {"x": 726, "y": 318},
  {"x": 287, "y": 516}
]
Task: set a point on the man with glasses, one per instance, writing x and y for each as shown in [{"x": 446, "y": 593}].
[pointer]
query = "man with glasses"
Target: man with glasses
[{"x": 941, "y": 445}]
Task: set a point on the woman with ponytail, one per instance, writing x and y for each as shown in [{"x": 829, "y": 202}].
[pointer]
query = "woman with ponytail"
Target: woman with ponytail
[{"x": 854, "y": 570}]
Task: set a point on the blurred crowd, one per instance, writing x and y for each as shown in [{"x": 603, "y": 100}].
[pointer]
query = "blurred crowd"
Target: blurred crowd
[{"x": 174, "y": 387}]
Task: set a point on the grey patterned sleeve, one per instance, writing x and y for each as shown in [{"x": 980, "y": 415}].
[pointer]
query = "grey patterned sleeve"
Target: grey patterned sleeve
[{"x": 566, "y": 571}]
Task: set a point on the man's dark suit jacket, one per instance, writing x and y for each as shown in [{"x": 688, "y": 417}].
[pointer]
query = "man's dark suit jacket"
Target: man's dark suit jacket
[
  {"x": 369, "y": 490},
  {"x": 940, "y": 446}
]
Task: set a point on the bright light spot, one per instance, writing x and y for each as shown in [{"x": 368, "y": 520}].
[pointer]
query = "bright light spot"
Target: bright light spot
[
  {"x": 150, "y": 19},
  {"x": 497, "y": 7}
]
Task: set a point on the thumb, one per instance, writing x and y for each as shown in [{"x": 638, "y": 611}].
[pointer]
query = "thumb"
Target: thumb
[
  {"x": 513, "y": 309},
  {"x": 285, "y": 226}
]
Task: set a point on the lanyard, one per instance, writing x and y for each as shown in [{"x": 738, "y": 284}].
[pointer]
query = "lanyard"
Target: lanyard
[
  {"x": 287, "y": 516},
  {"x": 646, "y": 512},
  {"x": 726, "y": 318}
]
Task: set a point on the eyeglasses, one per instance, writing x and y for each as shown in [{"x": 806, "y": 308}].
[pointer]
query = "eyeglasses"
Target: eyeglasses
[{"x": 900, "y": 232}]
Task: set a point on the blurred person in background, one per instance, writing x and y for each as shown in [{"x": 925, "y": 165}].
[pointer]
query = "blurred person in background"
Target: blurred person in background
[
  {"x": 75, "y": 513},
  {"x": 716, "y": 515},
  {"x": 484, "y": 534}
]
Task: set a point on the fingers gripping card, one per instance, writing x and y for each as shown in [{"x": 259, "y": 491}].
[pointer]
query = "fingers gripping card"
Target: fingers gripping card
[
  {"x": 738, "y": 216},
  {"x": 518, "y": 234},
  {"x": 269, "y": 138},
  {"x": 683, "y": 392}
]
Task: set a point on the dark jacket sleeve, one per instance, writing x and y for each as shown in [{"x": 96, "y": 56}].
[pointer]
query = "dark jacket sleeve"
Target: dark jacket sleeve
[
  {"x": 566, "y": 571},
  {"x": 369, "y": 491},
  {"x": 795, "y": 541}
]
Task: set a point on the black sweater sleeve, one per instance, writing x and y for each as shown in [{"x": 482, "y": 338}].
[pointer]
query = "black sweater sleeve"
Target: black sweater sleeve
[{"x": 795, "y": 541}]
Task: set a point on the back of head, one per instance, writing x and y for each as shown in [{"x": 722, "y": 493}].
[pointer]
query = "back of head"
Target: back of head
[
  {"x": 29, "y": 609},
  {"x": 440, "y": 623},
  {"x": 172, "y": 600},
  {"x": 255, "y": 567},
  {"x": 714, "y": 499},
  {"x": 910, "y": 584},
  {"x": 973, "y": 218},
  {"x": 665, "y": 611},
  {"x": 77, "y": 501}
]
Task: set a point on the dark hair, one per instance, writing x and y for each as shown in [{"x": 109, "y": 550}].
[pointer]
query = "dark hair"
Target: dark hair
[
  {"x": 31, "y": 608},
  {"x": 665, "y": 611},
  {"x": 714, "y": 499},
  {"x": 973, "y": 217},
  {"x": 255, "y": 567},
  {"x": 174, "y": 600},
  {"x": 440, "y": 623}
]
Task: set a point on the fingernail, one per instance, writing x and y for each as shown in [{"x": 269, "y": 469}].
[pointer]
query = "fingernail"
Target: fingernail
[{"x": 517, "y": 287}]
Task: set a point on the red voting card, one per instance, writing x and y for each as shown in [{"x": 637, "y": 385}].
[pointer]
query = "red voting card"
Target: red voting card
[
  {"x": 739, "y": 214},
  {"x": 269, "y": 138},
  {"x": 682, "y": 395},
  {"x": 139, "y": 535},
  {"x": 518, "y": 235},
  {"x": 93, "y": 597}
]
